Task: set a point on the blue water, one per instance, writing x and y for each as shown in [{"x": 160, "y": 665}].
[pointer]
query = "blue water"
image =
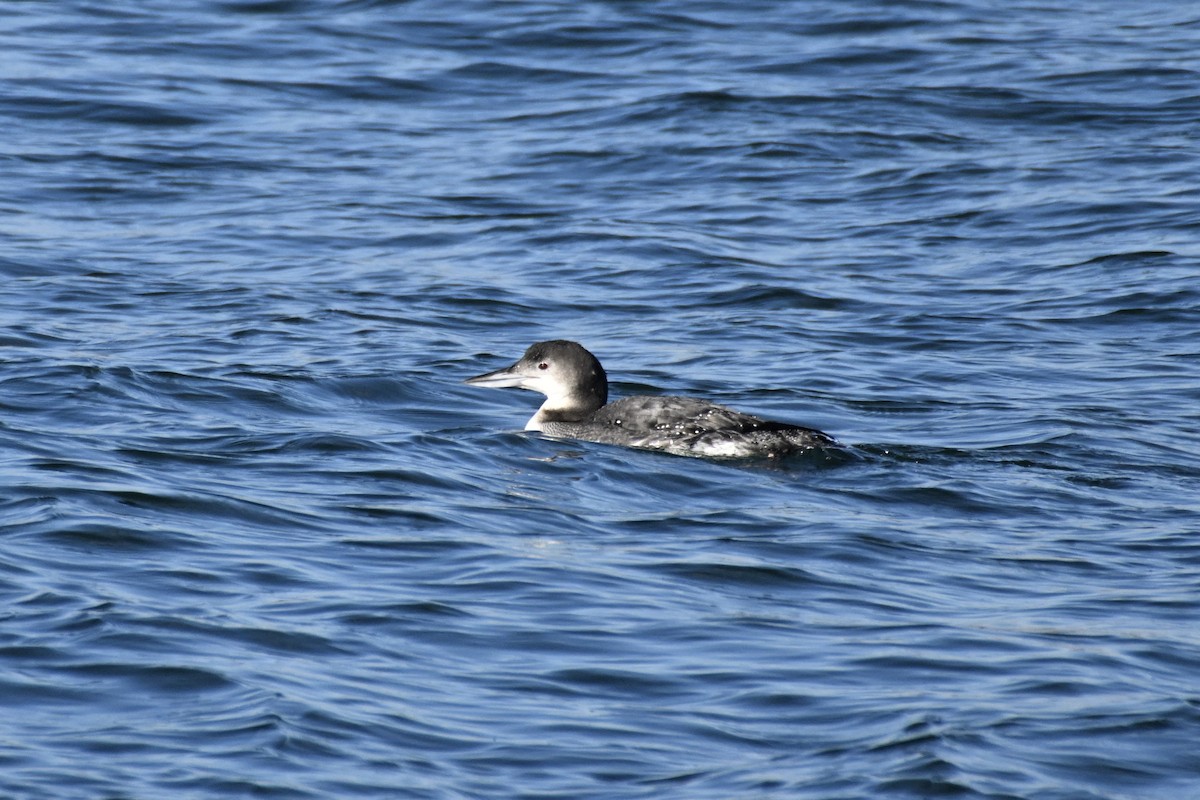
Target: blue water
[{"x": 258, "y": 540}]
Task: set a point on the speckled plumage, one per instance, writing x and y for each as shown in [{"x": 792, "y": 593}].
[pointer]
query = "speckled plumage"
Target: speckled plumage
[{"x": 576, "y": 387}]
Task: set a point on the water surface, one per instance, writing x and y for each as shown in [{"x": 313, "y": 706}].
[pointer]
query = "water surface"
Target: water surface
[{"x": 258, "y": 540}]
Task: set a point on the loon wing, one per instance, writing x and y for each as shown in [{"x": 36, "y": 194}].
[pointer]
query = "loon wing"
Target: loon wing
[
  {"x": 683, "y": 416},
  {"x": 687, "y": 426}
]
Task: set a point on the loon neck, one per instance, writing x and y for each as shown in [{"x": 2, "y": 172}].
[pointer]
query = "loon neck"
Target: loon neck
[{"x": 555, "y": 410}]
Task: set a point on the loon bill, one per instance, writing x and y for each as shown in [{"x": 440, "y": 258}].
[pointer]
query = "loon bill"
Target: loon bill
[{"x": 577, "y": 407}]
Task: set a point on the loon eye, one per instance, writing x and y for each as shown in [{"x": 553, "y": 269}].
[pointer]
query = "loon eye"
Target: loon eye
[{"x": 543, "y": 365}]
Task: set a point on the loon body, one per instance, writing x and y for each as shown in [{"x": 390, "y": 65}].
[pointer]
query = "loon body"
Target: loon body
[{"x": 577, "y": 407}]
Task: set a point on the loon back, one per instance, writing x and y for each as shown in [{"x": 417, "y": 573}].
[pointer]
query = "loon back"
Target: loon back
[{"x": 689, "y": 426}]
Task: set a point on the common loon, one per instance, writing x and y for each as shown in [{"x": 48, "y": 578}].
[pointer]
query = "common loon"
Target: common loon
[{"x": 576, "y": 389}]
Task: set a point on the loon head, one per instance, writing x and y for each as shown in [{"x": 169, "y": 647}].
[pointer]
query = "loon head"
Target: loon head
[{"x": 571, "y": 378}]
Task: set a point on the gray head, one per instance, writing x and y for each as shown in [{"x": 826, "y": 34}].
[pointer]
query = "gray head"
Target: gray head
[{"x": 571, "y": 378}]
